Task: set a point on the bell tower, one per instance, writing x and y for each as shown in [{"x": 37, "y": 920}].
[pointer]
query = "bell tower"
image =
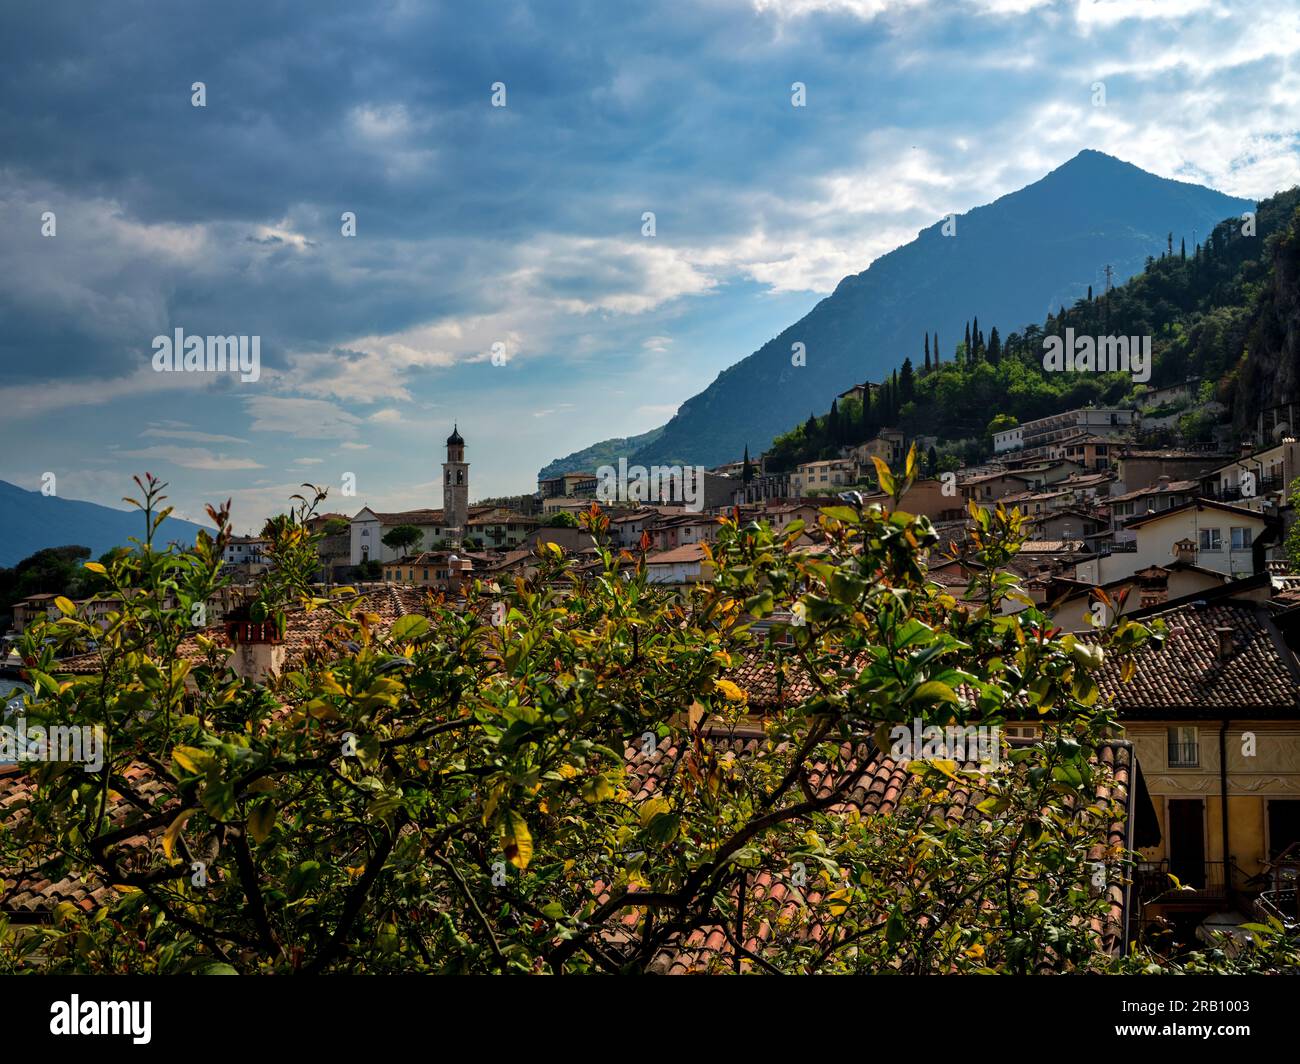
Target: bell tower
[{"x": 455, "y": 483}]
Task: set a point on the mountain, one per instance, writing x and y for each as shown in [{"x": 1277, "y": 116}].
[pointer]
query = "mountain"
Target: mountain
[
  {"x": 1009, "y": 262},
  {"x": 30, "y": 521},
  {"x": 1224, "y": 314},
  {"x": 607, "y": 452}
]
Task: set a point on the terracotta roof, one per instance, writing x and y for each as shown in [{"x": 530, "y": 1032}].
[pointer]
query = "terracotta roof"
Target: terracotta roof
[
  {"x": 44, "y": 880},
  {"x": 1200, "y": 504},
  {"x": 1173, "y": 486},
  {"x": 1050, "y": 546},
  {"x": 689, "y": 552},
  {"x": 1186, "y": 678},
  {"x": 877, "y": 793},
  {"x": 410, "y": 517},
  {"x": 303, "y": 630}
]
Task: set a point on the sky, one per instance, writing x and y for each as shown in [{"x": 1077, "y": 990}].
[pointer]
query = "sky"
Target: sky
[{"x": 521, "y": 229}]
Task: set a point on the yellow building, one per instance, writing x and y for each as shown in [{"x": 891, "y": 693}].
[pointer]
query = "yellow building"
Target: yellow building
[{"x": 1214, "y": 721}]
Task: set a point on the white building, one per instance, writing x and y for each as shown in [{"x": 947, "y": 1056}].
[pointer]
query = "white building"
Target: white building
[
  {"x": 1212, "y": 534},
  {"x": 1044, "y": 430}
]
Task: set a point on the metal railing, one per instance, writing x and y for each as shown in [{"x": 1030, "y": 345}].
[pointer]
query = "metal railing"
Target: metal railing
[
  {"x": 1184, "y": 755},
  {"x": 1279, "y": 905},
  {"x": 1206, "y": 880}
]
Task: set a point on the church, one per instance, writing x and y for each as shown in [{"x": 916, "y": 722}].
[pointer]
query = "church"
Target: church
[{"x": 439, "y": 527}]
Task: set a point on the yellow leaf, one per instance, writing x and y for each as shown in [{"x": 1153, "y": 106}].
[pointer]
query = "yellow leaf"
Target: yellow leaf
[
  {"x": 190, "y": 758},
  {"x": 730, "y": 691},
  {"x": 652, "y": 808},
  {"x": 94, "y": 567},
  {"x": 517, "y": 841},
  {"x": 173, "y": 832},
  {"x": 66, "y": 606}
]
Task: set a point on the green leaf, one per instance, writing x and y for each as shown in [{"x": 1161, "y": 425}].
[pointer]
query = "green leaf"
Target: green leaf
[
  {"x": 219, "y": 800},
  {"x": 895, "y": 927},
  {"x": 842, "y": 513},
  {"x": 409, "y": 627},
  {"x": 261, "y": 820},
  {"x": 883, "y": 474},
  {"x": 934, "y": 691}
]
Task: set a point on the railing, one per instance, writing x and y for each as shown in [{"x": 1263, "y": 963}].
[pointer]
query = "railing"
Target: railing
[
  {"x": 1263, "y": 485},
  {"x": 1279, "y": 905},
  {"x": 1184, "y": 755},
  {"x": 1205, "y": 881}
]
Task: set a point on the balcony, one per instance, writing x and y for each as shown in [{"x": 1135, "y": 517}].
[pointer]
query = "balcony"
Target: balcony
[
  {"x": 1280, "y": 905},
  {"x": 1263, "y": 486},
  {"x": 1203, "y": 882},
  {"x": 1184, "y": 755}
]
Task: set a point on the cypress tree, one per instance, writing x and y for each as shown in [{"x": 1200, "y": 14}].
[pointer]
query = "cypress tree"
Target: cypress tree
[
  {"x": 906, "y": 383},
  {"x": 747, "y": 471}
]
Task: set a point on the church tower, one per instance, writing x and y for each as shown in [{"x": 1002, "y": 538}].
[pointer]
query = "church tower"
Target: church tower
[{"x": 455, "y": 483}]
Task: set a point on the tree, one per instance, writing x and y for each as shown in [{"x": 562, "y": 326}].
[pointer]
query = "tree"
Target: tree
[
  {"x": 402, "y": 538},
  {"x": 746, "y": 470},
  {"x": 1292, "y": 543},
  {"x": 906, "y": 382},
  {"x": 561, "y": 519},
  {"x": 445, "y": 793},
  {"x": 50, "y": 571},
  {"x": 1000, "y": 423}
]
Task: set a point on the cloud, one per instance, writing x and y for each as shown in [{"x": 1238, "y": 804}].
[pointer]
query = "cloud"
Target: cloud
[
  {"x": 191, "y": 458},
  {"x": 190, "y": 435},
  {"x": 312, "y": 419}
]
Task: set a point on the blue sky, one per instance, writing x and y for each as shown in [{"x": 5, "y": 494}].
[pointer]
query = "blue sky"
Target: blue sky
[{"x": 522, "y": 225}]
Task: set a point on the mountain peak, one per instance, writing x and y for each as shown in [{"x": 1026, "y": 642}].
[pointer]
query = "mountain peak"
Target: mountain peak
[{"x": 1011, "y": 263}]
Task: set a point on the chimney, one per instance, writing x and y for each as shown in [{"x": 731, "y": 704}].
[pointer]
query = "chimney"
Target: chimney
[
  {"x": 1226, "y": 647},
  {"x": 1163, "y": 481},
  {"x": 259, "y": 647},
  {"x": 1246, "y": 448},
  {"x": 1185, "y": 551}
]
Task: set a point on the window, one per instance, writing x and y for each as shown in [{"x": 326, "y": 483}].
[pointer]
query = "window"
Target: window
[
  {"x": 1021, "y": 731},
  {"x": 1211, "y": 539},
  {"x": 1241, "y": 538},
  {"x": 1184, "y": 749}
]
